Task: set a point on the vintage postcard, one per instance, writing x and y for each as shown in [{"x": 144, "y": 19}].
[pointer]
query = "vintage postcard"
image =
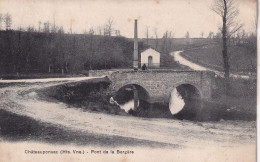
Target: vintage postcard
[{"x": 128, "y": 80}]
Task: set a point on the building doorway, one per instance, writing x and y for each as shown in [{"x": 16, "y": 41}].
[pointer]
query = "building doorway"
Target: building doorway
[{"x": 150, "y": 61}]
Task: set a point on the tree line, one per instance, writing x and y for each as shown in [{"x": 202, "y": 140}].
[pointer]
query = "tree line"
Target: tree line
[
  {"x": 49, "y": 49},
  {"x": 32, "y": 51}
]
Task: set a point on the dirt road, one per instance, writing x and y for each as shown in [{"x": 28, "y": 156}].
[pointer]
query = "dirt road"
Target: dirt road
[
  {"x": 22, "y": 99},
  {"x": 178, "y": 58}
]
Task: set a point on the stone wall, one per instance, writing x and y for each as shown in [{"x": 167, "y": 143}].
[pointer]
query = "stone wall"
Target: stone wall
[{"x": 99, "y": 73}]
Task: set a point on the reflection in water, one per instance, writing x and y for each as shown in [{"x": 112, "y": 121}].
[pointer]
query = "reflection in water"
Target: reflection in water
[
  {"x": 176, "y": 102},
  {"x": 128, "y": 105}
]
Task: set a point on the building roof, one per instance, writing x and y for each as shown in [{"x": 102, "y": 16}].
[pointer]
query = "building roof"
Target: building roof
[{"x": 150, "y": 50}]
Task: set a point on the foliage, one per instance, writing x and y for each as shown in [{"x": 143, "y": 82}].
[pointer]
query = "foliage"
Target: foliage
[{"x": 28, "y": 52}]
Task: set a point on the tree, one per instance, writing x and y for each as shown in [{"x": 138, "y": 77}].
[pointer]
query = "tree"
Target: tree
[
  {"x": 147, "y": 34},
  {"x": 167, "y": 42},
  {"x": 99, "y": 30},
  {"x": 228, "y": 12},
  {"x": 202, "y": 34},
  {"x": 218, "y": 35},
  {"x": 91, "y": 31},
  {"x": 8, "y": 21},
  {"x": 30, "y": 29},
  {"x": 54, "y": 28},
  {"x": 91, "y": 49},
  {"x": 71, "y": 22},
  {"x": 1, "y": 20},
  {"x": 243, "y": 36},
  {"x": 39, "y": 26},
  {"x": 109, "y": 27},
  {"x": 187, "y": 35},
  {"x": 156, "y": 38},
  {"x": 46, "y": 28},
  {"x": 211, "y": 35},
  {"x": 117, "y": 33},
  {"x": 60, "y": 30}
]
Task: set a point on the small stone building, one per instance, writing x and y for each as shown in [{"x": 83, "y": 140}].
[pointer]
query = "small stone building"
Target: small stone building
[{"x": 151, "y": 58}]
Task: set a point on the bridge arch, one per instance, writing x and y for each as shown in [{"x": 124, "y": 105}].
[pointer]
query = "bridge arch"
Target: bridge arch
[
  {"x": 194, "y": 85},
  {"x": 188, "y": 103},
  {"x": 126, "y": 92}
]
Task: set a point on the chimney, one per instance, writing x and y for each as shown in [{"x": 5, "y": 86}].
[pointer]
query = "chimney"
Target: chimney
[{"x": 135, "y": 59}]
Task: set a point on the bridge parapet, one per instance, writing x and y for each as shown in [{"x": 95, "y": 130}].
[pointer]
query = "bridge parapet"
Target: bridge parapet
[{"x": 108, "y": 73}]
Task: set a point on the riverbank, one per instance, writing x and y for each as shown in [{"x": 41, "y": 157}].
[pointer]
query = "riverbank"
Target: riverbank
[
  {"x": 240, "y": 101},
  {"x": 89, "y": 95},
  {"x": 93, "y": 96}
]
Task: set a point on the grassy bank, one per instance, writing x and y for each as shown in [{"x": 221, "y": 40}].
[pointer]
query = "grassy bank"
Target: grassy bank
[
  {"x": 239, "y": 103},
  {"x": 242, "y": 60},
  {"x": 90, "y": 95}
]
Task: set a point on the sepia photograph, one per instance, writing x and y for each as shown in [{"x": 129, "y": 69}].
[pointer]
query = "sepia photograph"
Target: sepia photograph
[{"x": 128, "y": 80}]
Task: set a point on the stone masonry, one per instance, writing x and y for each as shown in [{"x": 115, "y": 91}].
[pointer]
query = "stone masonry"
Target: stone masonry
[{"x": 160, "y": 83}]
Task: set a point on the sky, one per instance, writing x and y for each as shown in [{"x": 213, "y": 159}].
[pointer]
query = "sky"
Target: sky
[{"x": 177, "y": 16}]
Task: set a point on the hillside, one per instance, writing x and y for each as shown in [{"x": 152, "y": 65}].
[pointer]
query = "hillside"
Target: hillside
[
  {"x": 33, "y": 52},
  {"x": 208, "y": 52},
  {"x": 242, "y": 57},
  {"x": 166, "y": 45}
]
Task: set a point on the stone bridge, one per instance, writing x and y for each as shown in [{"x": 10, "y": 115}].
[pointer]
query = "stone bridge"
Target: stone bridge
[{"x": 157, "y": 85}]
